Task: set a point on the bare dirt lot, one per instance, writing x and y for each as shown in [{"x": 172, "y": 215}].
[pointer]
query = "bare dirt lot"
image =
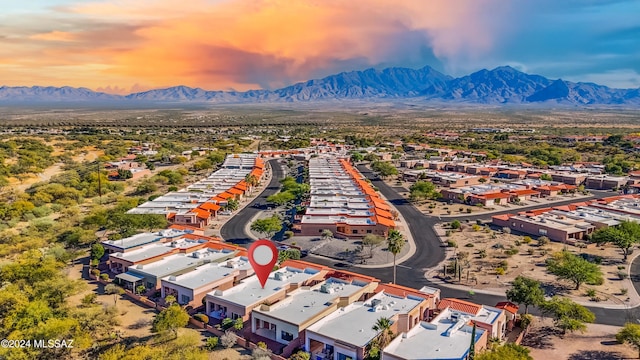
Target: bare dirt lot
[
  {"x": 135, "y": 320},
  {"x": 485, "y": 253},
  {"x": 597, "y": 343}
]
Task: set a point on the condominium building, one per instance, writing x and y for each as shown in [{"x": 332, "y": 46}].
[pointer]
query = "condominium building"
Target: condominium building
[
  {"x": 345, "y": 333},
  {"x": 343, "y": 202}
]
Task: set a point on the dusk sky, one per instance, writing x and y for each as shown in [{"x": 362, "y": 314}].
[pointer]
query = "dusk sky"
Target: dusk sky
[{"x": 122, "y": 46}]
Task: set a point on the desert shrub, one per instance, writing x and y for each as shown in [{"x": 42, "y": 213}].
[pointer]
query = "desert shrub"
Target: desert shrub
[
  {"x": 622, "y": 275},
  {"x": 527, "y": 239},
  {"x": 95, "y": 272},
  {"x": 202, "y": 318},
  {"x": 624, "y": 291},
  {"x": 511, "y": 252},
  {"x": 591, "y": 292},
  {"x": 288, "y": 234},
  {"x": 89, "y": 299},
  {"x": 455, "y": 224},
  {"x": 451, "y": 243},
  {"x": 500, "y": 271},
  {"x": 228, "y": 339},
  {"x": 525, "y": 320},
  {"x": 543, "y": 240},
  {"x": 469, "y": 245},
  {"x": 211, "y": 343},
  {"x": 104, "y": 277}
]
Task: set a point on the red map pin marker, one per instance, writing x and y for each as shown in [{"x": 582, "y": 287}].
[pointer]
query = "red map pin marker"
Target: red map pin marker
[{"x": 263, "y": 255}]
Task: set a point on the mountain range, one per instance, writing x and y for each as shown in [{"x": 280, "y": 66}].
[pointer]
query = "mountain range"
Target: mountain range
[{"x": 502, "y": 85}]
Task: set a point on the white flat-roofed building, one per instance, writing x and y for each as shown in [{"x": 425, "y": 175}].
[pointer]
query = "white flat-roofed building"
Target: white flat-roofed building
[
  {"x": 284, "y": 320},
  {"x": 490, "y": 318},
  {"x": 150, "y": 274},
  {"x": 136, "y": 241},
  {"x": 345, "y": 333},
  {"x": 446, "y": 337},
  {"x": 626, "y": 205},
  {"x": 240, "y": 300},
  {"x": 191, "y": 287},
  {"x": 234, "y": 170},
  {"x": 341, "y": 201}
]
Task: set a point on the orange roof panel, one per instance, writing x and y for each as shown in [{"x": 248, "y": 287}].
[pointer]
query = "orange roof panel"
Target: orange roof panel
[
  {"x": 460, "y": 305},
  {"x": 225, "y": 195}
]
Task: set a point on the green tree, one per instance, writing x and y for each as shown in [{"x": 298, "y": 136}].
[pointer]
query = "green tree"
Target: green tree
[
  {"x": 281, "y": 198},
  {"x": 251, "y": 180},
  {"x": 509, "y": 351},
  {"x": 232, "y": 205},
  {"x": 202, "y": 164},
  {"x": 326, "y": 234},
  {"x": 568, "y": 266},
  {"x": 150, "y": 221},
  {"x": 384, "y": 168},
  {"x": 115, "y": 290},
  {"x": 525, "y": 291},
  {"x": 357, "y": 157},
  {"x": 455, "y": 224},
  {"x": 146, "y": 187},
  {"x": 567, "y": 315},
  {"x": 630, "y": 334},
  {"x": 546, "y": 177},
  {"x": 170, "y": 319},
  {"x": 124, "y": 174},
  {"x": 385, "y": 334},
  {"x": 288, "y": 254},
  {"x": 625, "y": 236},
  {"x": 267, "y": 226},
  {"x": 395, "y": 243},
  {"x": 372, "y": 241},
  {"x": 97, "y": 251},
  {"x": 422, "y": 190}
]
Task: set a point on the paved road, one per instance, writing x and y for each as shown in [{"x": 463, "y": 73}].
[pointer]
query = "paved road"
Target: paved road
[
  {"x": 429, "y": 251},
  {"x": 233, "y": 231}
]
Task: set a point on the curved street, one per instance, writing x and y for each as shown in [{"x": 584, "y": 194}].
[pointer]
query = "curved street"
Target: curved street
[
  {"x": 233, "y": 231},
  {"x": 429, "y": 250}
]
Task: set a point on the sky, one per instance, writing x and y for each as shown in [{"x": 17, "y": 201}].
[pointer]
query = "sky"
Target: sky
[{"x": 124, "y": 46}]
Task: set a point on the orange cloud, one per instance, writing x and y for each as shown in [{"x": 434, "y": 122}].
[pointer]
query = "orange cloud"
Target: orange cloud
[{"x": 255, "y": 43}]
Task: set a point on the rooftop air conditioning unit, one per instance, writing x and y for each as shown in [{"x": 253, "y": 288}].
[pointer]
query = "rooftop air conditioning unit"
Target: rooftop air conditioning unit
[{"x": 279, "y": 276}]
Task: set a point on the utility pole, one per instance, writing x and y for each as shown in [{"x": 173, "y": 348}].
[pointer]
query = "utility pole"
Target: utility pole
[{"x": 100, "y": 180}]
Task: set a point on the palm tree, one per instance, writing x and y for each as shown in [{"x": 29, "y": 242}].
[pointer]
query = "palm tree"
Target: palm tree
[
  {"x": 326, "y": 234},
  {"x": 395, "y": 242},
  {"x": 251, "y": 180},
  {"x": 385, "y": 334}
]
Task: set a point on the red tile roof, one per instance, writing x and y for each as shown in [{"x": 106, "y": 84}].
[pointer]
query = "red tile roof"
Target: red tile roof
[
  {"x": 508, "y": 306},
  {"x": 503, "y": 216},
  {"x": 400, "y": 290},
  {"x": 460, "y": 305}
]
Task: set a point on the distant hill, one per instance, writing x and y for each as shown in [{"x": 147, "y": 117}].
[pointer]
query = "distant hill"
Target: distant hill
[{"x": 502, "y": 85}]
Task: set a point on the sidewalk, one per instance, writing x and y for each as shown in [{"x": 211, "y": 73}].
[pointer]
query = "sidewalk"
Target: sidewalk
[{"x": 403, "y": 227}]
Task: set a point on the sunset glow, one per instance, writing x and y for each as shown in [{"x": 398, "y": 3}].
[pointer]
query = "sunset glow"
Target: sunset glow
[{"x": 122, "y": 46}]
